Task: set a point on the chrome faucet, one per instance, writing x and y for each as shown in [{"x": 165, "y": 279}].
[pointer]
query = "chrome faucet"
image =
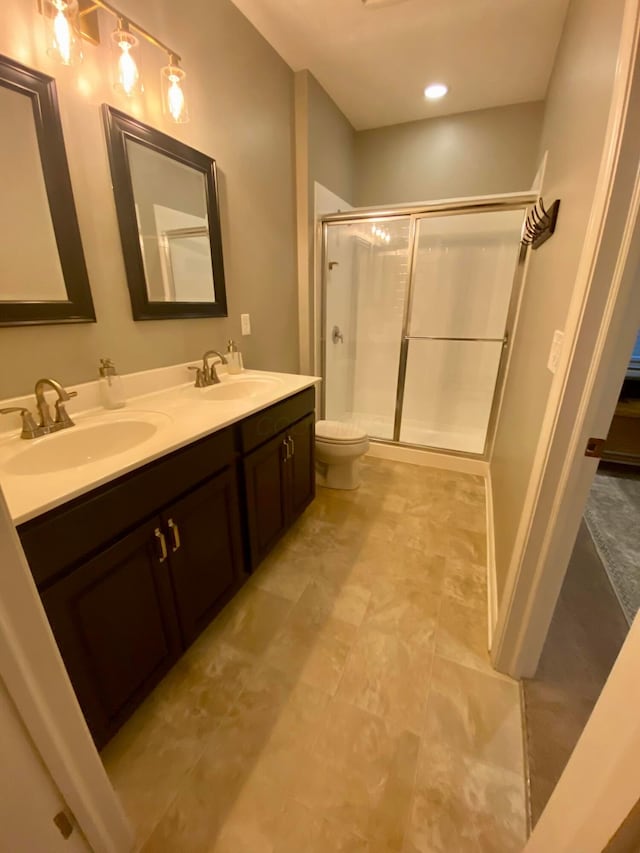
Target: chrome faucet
[
  {"x": 62, "y": 419},
  {"x": 207, "y": 374},
  {"x": 47, "y": 424}
]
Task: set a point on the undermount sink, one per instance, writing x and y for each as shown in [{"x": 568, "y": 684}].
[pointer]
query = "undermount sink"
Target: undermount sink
[
  {"x": 236, "y": 389},
  {"x": 84, "y": 444}
]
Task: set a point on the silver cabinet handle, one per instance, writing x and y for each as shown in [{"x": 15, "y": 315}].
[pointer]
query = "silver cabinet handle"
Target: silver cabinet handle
[
  {"x": 163, "y": 544},
  {"x": 292, "y": 445},
  {"x": 285, "y": 445},
  {"x": 173, "y": 527}
]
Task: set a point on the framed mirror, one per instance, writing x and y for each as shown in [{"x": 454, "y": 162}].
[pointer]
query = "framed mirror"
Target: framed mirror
[
  {"x": 43, "y": 275},
  {"x": 166, "y": 198}
]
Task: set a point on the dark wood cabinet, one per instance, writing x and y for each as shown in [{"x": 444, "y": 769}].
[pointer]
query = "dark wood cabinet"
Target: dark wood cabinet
[
  {"x": 265, "y": 478},
  {"x": 205, "y": 552},
  {"x": 132, "y": 572},
  {"x": 302, "y": 475},
  {"x": 123, "y": 618},
  {"x": 280, "y": 483},
  {"x": 115, "y": 625}
]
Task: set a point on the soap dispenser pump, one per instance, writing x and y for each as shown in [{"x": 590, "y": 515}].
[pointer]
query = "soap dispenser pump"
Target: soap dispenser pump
[
  {"x": 111, "y": 385},
  {"x": 234, "y": 358}
]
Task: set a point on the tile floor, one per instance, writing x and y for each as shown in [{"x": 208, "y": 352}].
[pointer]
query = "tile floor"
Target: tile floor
[{"x": 344, "y": 700}]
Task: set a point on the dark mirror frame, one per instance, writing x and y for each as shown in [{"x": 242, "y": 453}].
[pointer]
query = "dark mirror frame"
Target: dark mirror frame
[
  {"x": 78, "y": 307},
  {"x": 119, "y": 128}
]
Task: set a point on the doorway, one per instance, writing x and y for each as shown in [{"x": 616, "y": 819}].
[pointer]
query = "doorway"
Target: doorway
[{"x": 599, "y": 600}]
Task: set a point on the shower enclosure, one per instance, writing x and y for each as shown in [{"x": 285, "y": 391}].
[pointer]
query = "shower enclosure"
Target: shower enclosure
[{"x": 416, "y": 308}]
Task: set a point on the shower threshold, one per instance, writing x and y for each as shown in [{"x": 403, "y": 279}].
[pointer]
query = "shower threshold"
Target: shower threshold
[{"x": 380, "y": 429}]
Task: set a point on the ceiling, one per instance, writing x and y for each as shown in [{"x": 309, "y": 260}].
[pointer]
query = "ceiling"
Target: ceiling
[{"x": 376, "y": 61}]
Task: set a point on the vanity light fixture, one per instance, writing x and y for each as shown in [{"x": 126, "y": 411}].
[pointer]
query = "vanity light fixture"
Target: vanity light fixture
[
  {"x": 128, "y": 78},
  {"x": 173, "y": 98},
  {"x": 62, "y": 32},
  {"x": 435, "y": 91},
  {"x": 69, "y": 21}
]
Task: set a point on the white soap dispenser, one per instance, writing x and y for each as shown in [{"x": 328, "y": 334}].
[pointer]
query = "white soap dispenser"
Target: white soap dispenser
[
  {"x": 234, "y": 358},
  {"x": 111, "y": 385}
]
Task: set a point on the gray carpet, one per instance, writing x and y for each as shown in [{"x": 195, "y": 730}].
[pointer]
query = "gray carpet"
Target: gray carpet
[{"x": 613, "y": 517}]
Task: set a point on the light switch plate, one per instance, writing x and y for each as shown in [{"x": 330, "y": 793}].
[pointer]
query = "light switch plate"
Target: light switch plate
[
  {"x": 245, "y": 324},
  {"x": 556, "y": 349}
]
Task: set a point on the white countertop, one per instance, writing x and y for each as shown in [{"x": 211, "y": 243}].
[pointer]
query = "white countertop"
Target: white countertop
[{"x": 181, "y": 413}]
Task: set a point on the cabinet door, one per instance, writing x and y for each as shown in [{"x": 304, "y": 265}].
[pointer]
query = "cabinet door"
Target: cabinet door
[
  {"x": 203, "y": 534},
  {"x": 301, "y": 467},
  {"x": 115, "y": 625},
  {"x": 266, "y": 493}
]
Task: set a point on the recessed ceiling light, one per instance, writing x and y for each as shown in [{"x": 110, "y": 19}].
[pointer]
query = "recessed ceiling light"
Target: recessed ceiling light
[
  {"x": 376, "y": 4},
  {"x": 435, "y": 91}
]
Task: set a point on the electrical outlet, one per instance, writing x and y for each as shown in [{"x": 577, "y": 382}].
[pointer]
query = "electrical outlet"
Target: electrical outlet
[
  {"x": 245, "y": 324},
  {"x": 556, "y": 349}
]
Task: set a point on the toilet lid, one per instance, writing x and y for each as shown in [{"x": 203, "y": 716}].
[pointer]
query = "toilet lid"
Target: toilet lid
[{"x": 339, "y": 432}]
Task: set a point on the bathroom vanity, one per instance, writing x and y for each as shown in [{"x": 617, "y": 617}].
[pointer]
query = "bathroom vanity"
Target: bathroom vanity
[{"x": 132, "y": 570}]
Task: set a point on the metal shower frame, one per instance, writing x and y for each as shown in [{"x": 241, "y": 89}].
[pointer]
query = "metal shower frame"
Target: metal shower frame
[{"x": 453, "y": 207}]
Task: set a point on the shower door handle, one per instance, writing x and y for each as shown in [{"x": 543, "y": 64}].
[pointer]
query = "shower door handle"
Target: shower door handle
[{"x": 336, "y": 335}]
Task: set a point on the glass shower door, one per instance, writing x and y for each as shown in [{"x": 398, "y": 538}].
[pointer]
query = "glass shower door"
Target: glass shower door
[
  {"x": 463, "y": 274},
  {"x": 366, "y": 283}
]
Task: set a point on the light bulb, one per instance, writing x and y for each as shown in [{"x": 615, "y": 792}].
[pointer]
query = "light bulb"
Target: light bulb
[
  {"x": 61, "y": 25},
  {"x": 434, "y": 91},
  {"x": 62, "y": 34},
  {"x": 127, "y": 69},
  {"x": 173, "y": 97},
  {"x": 127, "y": 74}
]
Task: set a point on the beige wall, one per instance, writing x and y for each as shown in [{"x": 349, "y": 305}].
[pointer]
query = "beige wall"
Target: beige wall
[
  {"x": 477, "y": 153},
  {"x": 241, "y": 104},
  {"x": 573, "y": 132},
  {"x": 325, "y": 154},
  {"x": 332, "y": 144}
]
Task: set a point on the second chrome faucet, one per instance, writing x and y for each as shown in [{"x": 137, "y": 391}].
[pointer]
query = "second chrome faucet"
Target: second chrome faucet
[{"x": 207, "y": 374}]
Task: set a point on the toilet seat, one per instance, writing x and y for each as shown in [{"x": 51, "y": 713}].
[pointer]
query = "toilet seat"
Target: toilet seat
[
  {"x": 338, "y": 449},
  {"x": 336, "y": 432}
]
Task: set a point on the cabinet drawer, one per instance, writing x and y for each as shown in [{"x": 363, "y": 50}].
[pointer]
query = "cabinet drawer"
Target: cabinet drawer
[
  {"x": 56, "y": 541},
  {"x": 262, "y": 426}
]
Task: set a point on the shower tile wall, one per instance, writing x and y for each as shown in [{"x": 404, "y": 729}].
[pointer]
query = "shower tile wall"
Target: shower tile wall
[
  {"x": 365, "y": 297},
  {"x": 339, "y": 312}
]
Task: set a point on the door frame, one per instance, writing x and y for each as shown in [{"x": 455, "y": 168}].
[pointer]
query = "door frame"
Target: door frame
[
  {"x": 601, "y": 328},
  {"x": 37, "y": 682}
]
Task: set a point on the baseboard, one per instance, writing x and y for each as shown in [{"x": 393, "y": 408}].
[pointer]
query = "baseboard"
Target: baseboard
[
  {"x": 428, "y": 458},
  {"x": 492, "y": 581}
]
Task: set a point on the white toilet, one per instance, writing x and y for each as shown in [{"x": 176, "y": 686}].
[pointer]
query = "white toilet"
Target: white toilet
[{"x": 338, "y": 448}]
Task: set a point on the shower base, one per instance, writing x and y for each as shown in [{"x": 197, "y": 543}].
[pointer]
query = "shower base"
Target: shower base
[{"x": 381, "y": 428}]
